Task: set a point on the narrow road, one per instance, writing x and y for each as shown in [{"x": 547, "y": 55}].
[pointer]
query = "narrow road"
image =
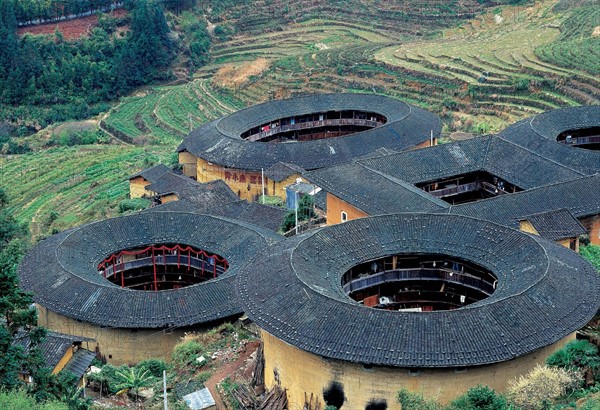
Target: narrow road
[{"x": 227, "y": 370}]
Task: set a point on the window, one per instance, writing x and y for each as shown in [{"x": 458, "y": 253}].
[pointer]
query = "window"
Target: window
[
  {"x": 414, "y": 372},
  {"x": 344, "y": 216}
]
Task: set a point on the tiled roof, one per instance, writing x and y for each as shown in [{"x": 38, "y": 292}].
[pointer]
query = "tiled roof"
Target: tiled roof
[
  {"x": 153, "y": 173},
  {"x": 581, "y": 197},
  {"x": 438, "y": 162},
  {"x": 79, "y": 363},
  {"x": 62, "y": 270},
  {"x": 373, "y": 192},
  {"x": 170, "y": 183},
  {"x": 538, "y": 134},
  {"x": 544, "y": 293},
  {"x": 53, "y": 347},
  {"x": 555, "y": 225},
  {"x": 257, "y": 215},
  {"x": 492, "y": 154},
  {"x": 219, "y": 141},
  {"x": 280, "y": 171}
]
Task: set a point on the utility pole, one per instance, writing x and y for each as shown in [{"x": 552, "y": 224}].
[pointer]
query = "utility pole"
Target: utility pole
[
  {"x": 165, "y": 389},
  {"x": 262, "y": 178},
  {"x": 296, "y": 201}
]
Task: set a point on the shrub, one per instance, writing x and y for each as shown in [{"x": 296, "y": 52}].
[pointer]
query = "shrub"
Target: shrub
[
  {"x": 538, "y": 388},
  {"x": 154, "y": 366},
  {"x": 592, "y": 254},
  {"x": 479, "y": 398},
  {"x": 416, "y": 401},
  {"x": 18, "y": 399},
  {"x": 136, "y": 204},
  {"x": 185, "y": 354}
]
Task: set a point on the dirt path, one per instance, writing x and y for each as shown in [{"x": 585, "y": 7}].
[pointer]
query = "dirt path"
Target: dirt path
[
  {"x": 227, "y": 370},
  {"x": 209, "y": 94}
]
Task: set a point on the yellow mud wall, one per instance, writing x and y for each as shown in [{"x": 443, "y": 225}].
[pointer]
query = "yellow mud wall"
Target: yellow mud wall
[
  {"x": 592, "y": 225},
  {"x": 137, "y": 187},
  {"x": 567, "y": 243},
  {"x": 63, "y": 362},
  {"x": 168, "y": 198},
  {"x": 120, "y": 346},
  {"x": 526, "y": 226},
  {"x": 246, "y": 184},
  {"x": 425, "y": 144},
  {"x": 188, "y": 162},
  {"x": 335, "y": 206},
  {"x": 303, "y": 373}
]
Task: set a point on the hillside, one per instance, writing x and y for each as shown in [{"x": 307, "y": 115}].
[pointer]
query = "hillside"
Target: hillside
[
  {"x": 479, "y": 76},
  {"x": 479, "y": 68}
]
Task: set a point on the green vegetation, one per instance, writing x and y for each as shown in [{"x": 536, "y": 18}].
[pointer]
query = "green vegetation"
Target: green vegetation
[
  {"x": 135, "y": 204},
  {"x": 416, "y": 401},
  {"x": 592, "y": 254},
  {"x": 479, "y": 398},
  {"x": 19, "y": 399},
  {"x": 18, "y": 321},
  {"x": 33, "y": 10},
  {"x": 17, "y": 318},
  {"x": 578, "y": 45},
  {"x": 45, "y": 79},
  {"x": 306, "y": 211},
  {"x": 79, "y": 184}
]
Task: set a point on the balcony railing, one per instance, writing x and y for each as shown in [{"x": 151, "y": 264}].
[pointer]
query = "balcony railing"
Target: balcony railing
[
  {"x": 425, "y": 274},
  {"x": 313, "y": 124},
  {"x": 594, "y": 139},
  {"x": 159, "y": 260}
]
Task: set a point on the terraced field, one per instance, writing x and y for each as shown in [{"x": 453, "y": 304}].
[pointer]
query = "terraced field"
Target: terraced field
[
  {"x": 60, "y": 188},
  {"x": 163, "y": 115},
  {"x": 494, "y": 57},
  {"x": 479, "y": 76}
]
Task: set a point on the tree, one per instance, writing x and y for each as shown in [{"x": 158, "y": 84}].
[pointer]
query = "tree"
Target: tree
[
  {"x": 17, "y": 316},
  {"x": 133, "y": 380},
  {"x": 577, "y": 355},
  {"x": 306, "y": 211},
  {"x": 538, "y": 388},
  {"x": 148, "y": 46}
]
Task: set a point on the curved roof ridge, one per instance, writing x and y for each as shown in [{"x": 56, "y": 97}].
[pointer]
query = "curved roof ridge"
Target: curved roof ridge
[{"x": 534, "y": 276}]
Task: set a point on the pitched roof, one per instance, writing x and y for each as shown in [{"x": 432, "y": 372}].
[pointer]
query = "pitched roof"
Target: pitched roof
[
  {"x": 53, "y": 347},
  {"x": 171, "y": 183},
  {"x": 219, "y": 141},
  {"x": 539, "y": 133},
  {"x": 544, "y": 293},
  {"x": 282, "y": 170},
  {"x": 153, "y": 173},
  {"x": 373, "y": 192},
  {"x": 556, "y": 224},
  {"x": 79, "y": 363},
  {"x": 492, "y": 154},
  {"x": 203, "y": 195},
  {"x": 433, "y": 163},
  {"x": 581, "y": 197},
  {"x": 62, "y": 271},
  {"x": 251, "y": 213}
]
